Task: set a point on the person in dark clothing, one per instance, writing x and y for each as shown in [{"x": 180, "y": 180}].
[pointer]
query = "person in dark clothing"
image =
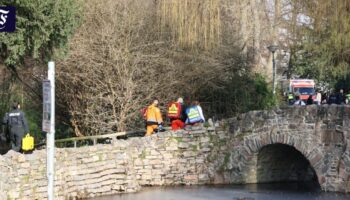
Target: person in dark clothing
[
  {"x": 324, "y": 98},
  {"x": 340, "y": 98},
  {"x": 332, "y": 99},
  {"x": 310, "y": 101},
  {"x": 17, "y": 125},
  {"x": 183, "y": 113},
  {"x": 298, "y": 101}
]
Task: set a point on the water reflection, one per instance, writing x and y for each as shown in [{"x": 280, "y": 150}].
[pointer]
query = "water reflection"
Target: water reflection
[{"x": 278, "y": 191}]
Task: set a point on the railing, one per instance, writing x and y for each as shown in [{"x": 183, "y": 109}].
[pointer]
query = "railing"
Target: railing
[
  {"x": 93, "y": 140},
  {"x": 89, "y": 140},
  {"x": 86, "y": 140}
]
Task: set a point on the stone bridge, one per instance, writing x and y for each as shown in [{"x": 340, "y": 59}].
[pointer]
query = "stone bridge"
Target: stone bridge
[{"x": 288, "y": 144}]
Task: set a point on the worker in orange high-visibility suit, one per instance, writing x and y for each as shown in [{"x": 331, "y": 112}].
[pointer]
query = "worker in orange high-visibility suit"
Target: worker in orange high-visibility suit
[{"x": 153, "y": 118}]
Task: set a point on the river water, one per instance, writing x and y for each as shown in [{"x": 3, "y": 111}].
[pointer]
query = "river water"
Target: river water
[{"x": 278, "y": 191}]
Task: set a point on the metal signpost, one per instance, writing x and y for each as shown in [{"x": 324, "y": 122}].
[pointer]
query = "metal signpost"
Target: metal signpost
[{"x": 48, "y": 126}]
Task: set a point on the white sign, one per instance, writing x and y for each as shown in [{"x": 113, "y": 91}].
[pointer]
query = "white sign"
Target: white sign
[
  {"x": 3, "y": 18},
  {"x": 46, "y": 106}
]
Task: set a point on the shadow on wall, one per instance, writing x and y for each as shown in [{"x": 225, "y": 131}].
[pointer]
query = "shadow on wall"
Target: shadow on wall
[
  {"x": 284, "y": 163},
  {"x": 4, "y": 147}
]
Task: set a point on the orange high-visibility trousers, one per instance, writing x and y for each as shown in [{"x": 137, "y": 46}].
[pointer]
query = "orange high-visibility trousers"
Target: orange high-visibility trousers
[{"x": 150, "y": 129}]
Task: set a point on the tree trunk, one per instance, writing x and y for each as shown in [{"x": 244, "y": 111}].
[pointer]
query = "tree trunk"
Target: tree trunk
[
  {"x": 244, "y": 26},
  {"x": 256, "y": 31}
]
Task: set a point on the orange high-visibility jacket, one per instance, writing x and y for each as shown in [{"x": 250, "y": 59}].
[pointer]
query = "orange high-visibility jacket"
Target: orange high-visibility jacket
[{"x": 153, "y": 115}]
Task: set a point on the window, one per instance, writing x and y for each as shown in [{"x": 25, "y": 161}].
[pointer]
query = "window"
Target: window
[{"x": 304, "y": 91}]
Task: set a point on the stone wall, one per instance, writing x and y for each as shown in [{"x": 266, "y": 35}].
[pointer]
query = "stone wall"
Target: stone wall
[
  {"x": 228, "y": 153},
  {"x": 171, "y": 158}
]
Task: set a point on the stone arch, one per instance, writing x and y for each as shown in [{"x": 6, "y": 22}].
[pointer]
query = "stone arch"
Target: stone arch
[
  {"x": 252, "y": 145},
  {"x": 320, "y": 133},
  {"x": 283, "y": 163}
]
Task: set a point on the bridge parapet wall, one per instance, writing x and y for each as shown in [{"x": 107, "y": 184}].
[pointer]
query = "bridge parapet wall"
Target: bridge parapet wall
[{"x": 170, "y": 158}]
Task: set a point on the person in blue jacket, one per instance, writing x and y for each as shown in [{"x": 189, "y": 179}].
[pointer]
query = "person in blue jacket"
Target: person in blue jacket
[{"x": 194, "y": 114}]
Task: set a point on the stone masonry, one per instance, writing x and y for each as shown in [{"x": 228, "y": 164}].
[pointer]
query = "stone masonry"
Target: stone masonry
[{"x": 232, "y": 152}]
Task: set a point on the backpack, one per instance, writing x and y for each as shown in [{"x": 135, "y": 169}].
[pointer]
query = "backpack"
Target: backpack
[
  {"x": 27, "y": 143},
  {"x": 143, "y": 112},
  {"x": 193, "y": 114},
  {"x": 174, "y": 110}
]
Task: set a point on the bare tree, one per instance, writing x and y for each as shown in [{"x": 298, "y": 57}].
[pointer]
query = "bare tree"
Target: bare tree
[{"x": 122, "y": 57}]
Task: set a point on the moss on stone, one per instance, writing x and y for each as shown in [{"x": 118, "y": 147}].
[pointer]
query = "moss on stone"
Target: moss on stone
[
  {"x": 143, "y": 154},
  {"x": 212, "y": 138},
  {"x": 217, "y": 142},
  {"x": 26, "y": 179},
  {"x": 213, "y": 156},
  {"x": 194, "y": 147},
  {"x": 99, "y": 156},
  {"x": 178, "y": 139},
  {"x": 226, "y": 160},
  {"x": 222, "y": 142}
]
